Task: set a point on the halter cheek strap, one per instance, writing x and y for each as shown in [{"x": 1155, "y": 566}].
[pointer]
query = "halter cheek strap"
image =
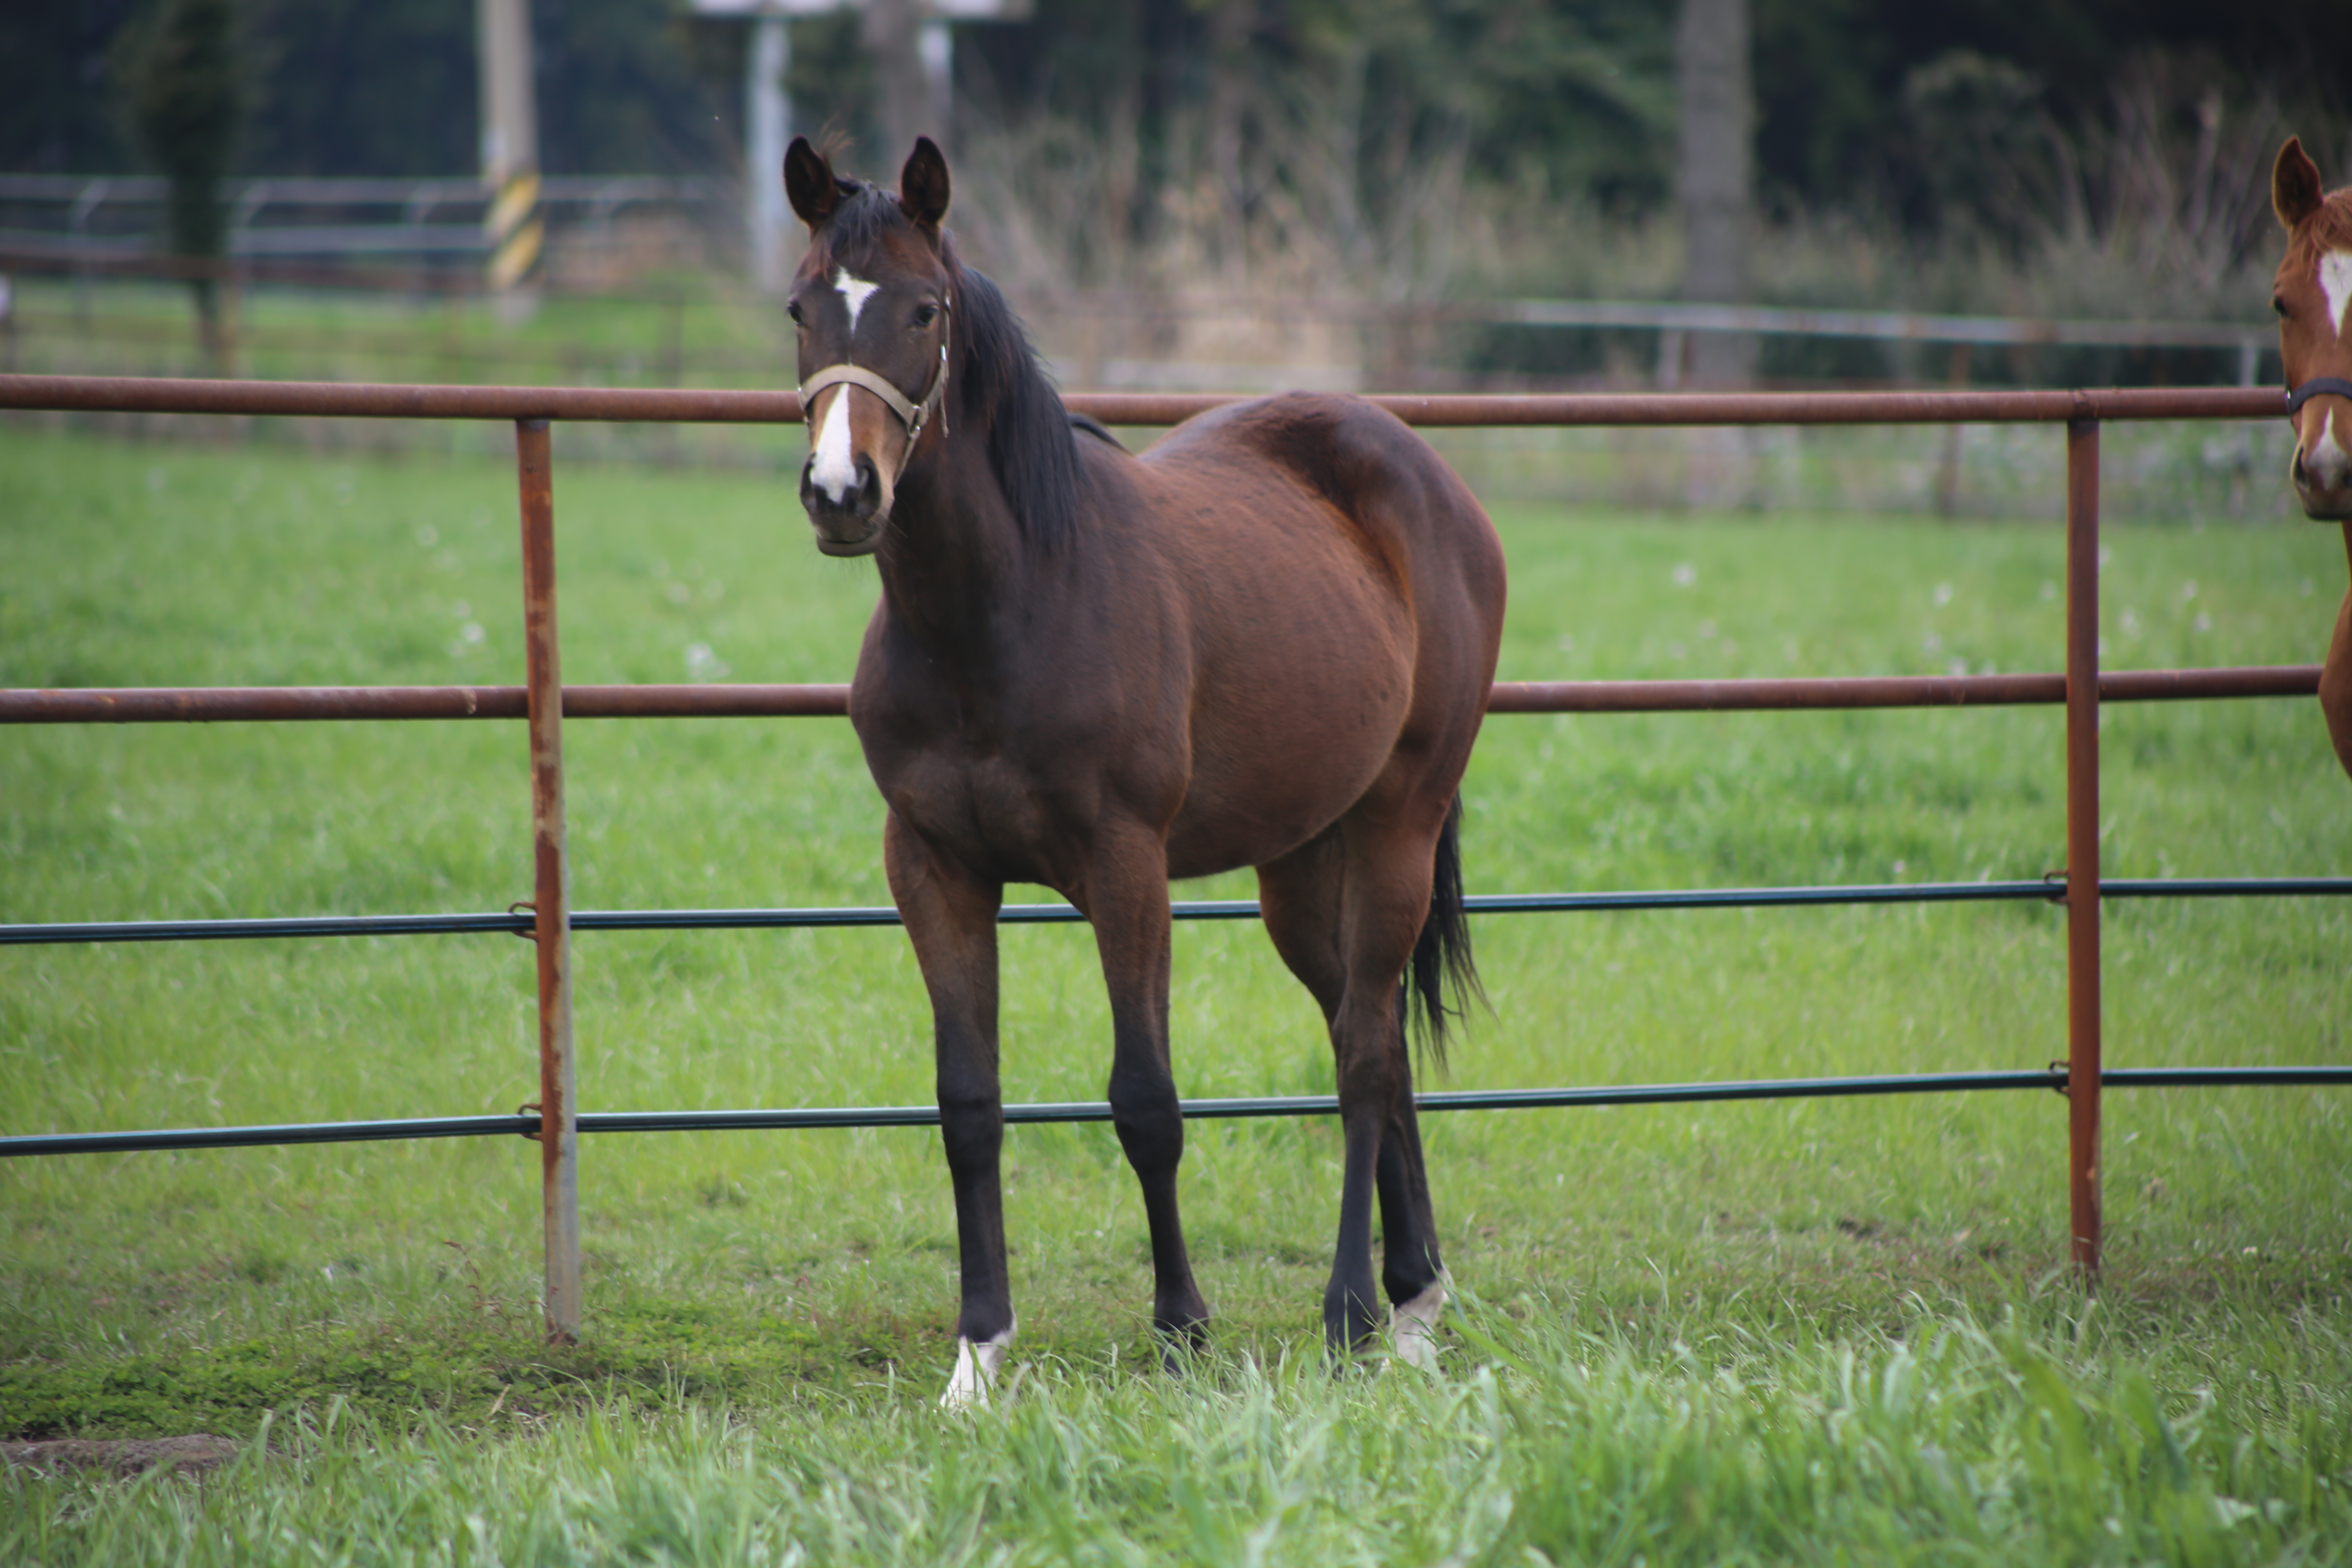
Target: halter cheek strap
[
  {"x": 2317, "y": 386},
  {"x": 912, "y": 415}
]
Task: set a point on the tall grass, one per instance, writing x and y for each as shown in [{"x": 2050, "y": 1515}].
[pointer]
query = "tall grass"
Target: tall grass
[{"x": 1950, "y": 1442}]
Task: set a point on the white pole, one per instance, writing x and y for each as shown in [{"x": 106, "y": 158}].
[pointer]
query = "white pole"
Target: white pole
[
  {"x": 770, "y": 114},
  {"x": 510, "y": 104},
  {"x": 936, "y": 45}
]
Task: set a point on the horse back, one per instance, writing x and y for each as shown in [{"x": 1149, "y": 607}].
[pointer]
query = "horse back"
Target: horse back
[{"x": 1301, "y": 463}]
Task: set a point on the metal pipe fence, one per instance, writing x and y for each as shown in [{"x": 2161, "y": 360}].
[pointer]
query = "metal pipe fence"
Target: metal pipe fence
[
  {"x": 529, "y": 1125},
  {"x": 555, "y": 1120}
]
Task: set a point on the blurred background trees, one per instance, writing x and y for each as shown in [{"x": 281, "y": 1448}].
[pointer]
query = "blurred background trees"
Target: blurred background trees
[
  {"x": 184, "y": 95},
  {"x": 1987, "y": 153}
]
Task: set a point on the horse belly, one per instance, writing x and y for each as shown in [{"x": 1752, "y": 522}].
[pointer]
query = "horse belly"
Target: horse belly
[{"x": 1285, "y": 740}]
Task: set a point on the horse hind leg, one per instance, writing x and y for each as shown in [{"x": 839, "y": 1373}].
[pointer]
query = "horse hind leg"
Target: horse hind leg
[
  {"x": 1344, "y": 918},
  {"x": 1413, "y": 1272}
]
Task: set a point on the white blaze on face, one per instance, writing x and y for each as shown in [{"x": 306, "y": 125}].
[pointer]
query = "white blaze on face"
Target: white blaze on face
[
  {"x": 834, "y": 467},
  {"x": 855, "y": 292},
  {"x": 2328, "y": 461}
]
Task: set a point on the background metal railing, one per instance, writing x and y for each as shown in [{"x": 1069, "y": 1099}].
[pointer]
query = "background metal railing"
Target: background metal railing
[{"x": 544, "y": 702}]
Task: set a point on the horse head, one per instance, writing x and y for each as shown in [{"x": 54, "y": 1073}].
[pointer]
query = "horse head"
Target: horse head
[
  {"x": 2313, "y": 298},
  {"x": 874, "y": 303}
]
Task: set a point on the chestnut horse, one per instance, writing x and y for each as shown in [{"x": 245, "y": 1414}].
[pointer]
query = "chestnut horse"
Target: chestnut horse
[
  {"x": 1268, "y": 642},
  {"x": 2313, "y": 296}
]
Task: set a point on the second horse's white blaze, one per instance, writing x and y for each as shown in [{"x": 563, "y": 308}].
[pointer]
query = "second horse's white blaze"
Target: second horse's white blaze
[
  {"x": 2328, "y": 460},
  {"x": 977, "y": 1362},
  {"x": 1414, "y": 1326},
  {"x": 2335, "y": 283},
  {"x": 855, "y": 292},
  {"x": 833, "y": 466}
]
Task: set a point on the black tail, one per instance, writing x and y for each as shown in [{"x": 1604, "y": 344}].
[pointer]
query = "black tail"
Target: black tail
[{"x": 1442, "y": 978}]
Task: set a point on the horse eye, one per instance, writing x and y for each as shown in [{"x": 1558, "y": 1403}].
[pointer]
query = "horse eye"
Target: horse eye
[
  {"x": 2278, "y": 307},
  {"x": 793, "y": 311},
  {"x": 926, "y": 314}
]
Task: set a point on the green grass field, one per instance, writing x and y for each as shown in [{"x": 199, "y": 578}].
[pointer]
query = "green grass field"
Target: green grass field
[{"x": 1762, "y": 1332}]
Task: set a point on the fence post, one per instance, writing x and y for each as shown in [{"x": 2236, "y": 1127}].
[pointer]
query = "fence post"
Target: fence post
[
  {"x": 559, "y": 1137},
  {"x": 2082, "y": 1069}
]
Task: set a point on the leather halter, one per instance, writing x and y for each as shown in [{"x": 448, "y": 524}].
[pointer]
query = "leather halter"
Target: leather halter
[
  {"x": 2317, "y": 386},
  {"x": 912, "y": 415}
]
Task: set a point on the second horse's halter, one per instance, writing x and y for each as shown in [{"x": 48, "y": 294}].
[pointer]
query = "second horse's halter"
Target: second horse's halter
[{"x": 2317, "y": 386}]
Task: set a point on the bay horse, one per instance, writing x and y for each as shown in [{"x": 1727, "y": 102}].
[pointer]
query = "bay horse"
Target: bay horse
[
  {"x": 2313, "y": 298},
  {"x": 1267, "y": 642}
]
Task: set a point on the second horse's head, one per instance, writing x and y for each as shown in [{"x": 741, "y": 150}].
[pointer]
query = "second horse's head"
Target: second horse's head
[{"x": 2313, "y": 296}]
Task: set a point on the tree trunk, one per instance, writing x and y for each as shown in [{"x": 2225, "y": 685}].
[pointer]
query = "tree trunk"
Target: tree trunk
[
  {"x": 1716, "y": 132},
  {"x": 893, "y": 33},
  {"x": 1230, "y": 26}
]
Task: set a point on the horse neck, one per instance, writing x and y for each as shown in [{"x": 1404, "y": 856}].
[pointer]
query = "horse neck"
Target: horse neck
[{"x": 956, "y": 558}]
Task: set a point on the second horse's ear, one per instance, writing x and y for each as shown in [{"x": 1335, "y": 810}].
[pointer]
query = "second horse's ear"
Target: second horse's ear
[
  {"x": 809, "y": 181},
  {"x": 923, "y": 184},
  {"x": 2295, "y": 183}
]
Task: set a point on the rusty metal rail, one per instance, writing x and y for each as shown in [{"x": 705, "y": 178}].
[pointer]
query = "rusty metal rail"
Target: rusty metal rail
[
  {"x": 545, "y": 702},
  {"x": 359, "y": 400},
  {"x": 227, "y": 704}
]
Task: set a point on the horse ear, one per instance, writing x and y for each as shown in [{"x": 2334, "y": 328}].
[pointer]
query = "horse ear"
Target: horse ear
[
  {"x": 2295, "y": 183},
  {"x": 809, "y": 181},
  {"x": 923, "y": 184}
]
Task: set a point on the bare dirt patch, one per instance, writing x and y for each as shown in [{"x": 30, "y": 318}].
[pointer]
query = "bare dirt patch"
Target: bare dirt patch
[{"x": 190, "y": 1456}]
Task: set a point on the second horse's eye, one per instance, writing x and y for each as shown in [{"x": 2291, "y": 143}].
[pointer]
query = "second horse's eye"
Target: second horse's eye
[
  {"x": 926, "y": 314},
  {"x": 2278, "y": 307},
  {"x": 793, "y": 311}
]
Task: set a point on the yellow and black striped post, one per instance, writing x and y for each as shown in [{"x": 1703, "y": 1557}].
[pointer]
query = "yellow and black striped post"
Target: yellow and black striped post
[
  {"x": 515, "y": 231},
  {"x": 512, "y": 227}
]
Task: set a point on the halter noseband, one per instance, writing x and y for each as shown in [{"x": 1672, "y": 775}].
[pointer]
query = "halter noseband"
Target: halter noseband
[
  {"x": 912, "y": 415},
  {"x": 2317, "y": 386}
]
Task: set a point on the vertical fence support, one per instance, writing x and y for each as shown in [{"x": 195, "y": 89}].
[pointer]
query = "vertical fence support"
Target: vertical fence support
[
  {"x": 2083, "y": 841},
  {"x": 559, "y": 1137}
]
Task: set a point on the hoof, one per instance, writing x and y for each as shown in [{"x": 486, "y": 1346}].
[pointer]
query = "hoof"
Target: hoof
[
  {"x": 1181, "y": 1345},
  {"x": 1412, "y": 1326},
  {"x": 977, "y": 1362}
]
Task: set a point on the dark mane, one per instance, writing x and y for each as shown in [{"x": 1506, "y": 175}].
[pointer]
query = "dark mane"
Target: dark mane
[
  {"x": 995, "y": 380},
  {"x": 862, "y": 216},
  {"x": 1030, "y": 443}
]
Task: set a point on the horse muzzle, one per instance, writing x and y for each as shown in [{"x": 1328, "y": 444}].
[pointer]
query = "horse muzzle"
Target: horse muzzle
[
  {"x": 852, "y": 524},
  {"x": 2323, "y": 488},
  {"x": 2323, "y": 474},
  {"x": 2322, "y": 469}
]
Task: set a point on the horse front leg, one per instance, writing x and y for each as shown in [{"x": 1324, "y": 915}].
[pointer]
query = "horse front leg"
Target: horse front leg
[
  {"x": 950, "y": 919},
  {"x": 1127, "y": 900}
]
